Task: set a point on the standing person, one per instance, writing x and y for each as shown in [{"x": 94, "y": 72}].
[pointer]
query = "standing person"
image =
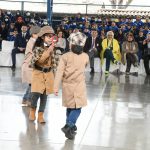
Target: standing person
[
  {"x": 93, "y": 48},
  {"x": 44, "y": 61},
  {"x": 26, "y": 71},
  {"x": 70, "y": 72}
]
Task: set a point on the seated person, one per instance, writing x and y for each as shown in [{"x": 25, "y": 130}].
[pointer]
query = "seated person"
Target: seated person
[
  {"x": 12, "y": 32},
  {"x": 3, "y": 33},
  {"x": 20, "y": 44},
  {"x": 110, "y": 51},
  {"x": 139, "y": 39},
  {"x": 61, "y": 44},
  {"x": 93, "y": 47},
  {"x": 13, "y": 36},
  {"x": 129, "y": 52},
  {"x": 146, "y": 44}
]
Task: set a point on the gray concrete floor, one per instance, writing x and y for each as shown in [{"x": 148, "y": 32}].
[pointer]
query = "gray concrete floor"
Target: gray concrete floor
[{"x": 117, "y": 116}]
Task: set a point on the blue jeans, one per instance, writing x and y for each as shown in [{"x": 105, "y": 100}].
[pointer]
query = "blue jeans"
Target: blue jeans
[
  {"x": 34, "y": 99},
  {"x": 72, "y": 115},
  {"x": 27, "y": 95},
  {"x": 109, "y": 57}
]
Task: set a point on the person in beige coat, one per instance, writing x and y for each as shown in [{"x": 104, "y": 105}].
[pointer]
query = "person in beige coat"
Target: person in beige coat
[
  {"x": 26, "y": 71},
  {"x": 70, "y": 72},
  {"x": 43, "y": 62},
  {"x": 129, "y": 53}
]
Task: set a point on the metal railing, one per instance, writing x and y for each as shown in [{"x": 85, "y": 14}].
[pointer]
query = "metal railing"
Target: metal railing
[{"x": 60, "y": 7}]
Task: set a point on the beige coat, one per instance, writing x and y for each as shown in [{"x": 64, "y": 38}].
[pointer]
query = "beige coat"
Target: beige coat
[
  {"x": 26, "y": 71},
  {"x": 129, "y": 47},
  {"x": 43, "y": 81},
  {"x": 71, "y": 72}
]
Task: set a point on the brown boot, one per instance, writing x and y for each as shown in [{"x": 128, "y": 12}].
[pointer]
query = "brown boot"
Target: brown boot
[
  {"x": 40, "y": 117},
  {"x": 32, "y": 114}
]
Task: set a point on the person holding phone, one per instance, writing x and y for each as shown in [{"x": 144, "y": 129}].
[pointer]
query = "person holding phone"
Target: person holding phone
[{"x": 44, "y": 61}]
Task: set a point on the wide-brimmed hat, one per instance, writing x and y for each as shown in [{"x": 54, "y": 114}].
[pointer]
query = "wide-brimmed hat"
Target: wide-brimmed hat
[
  {"x": 45, "y": 29},
  {"x": 77, "y": 39},
  {"x": 35, "y": 30}
]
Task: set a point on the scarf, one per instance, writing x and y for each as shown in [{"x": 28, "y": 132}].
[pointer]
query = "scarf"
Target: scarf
[{"x": 55, "y": 57}]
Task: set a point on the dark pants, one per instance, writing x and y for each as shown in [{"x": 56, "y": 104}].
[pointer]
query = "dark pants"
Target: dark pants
[
  {"x": 146, "y": 64},
  {"x": 92, "y": 54},
  {"x": 13, "y": 55},
  {"x": 109, "y": 57},
  {"x": 140, "y": 54},
  {"x": 131, "y": 59},
  {"x": 27, "y": 95},
  {"x": 72, "y": 115},
  {"x": 34, "y": 99}
]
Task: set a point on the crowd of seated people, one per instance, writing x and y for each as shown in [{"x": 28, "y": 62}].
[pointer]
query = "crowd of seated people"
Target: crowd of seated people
[
  {"x": 129, "y": 37},
  {"x": 100, "y": 40},
  {"x": 11, "y": 23},
  {"x": 15, "y": 27}
]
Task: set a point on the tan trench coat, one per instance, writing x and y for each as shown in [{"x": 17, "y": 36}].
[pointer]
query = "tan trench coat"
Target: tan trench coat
[
  {"x": 71, "y": 72},
  {"x": 43, "y": 81},
  {"x": 26, "y": 71}
]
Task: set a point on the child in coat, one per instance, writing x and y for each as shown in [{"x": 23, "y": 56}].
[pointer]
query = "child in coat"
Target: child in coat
[{"x": 70, "y": 72}]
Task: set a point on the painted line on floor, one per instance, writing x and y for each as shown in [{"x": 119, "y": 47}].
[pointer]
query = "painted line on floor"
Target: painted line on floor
[{"x": 99, "y": 99}]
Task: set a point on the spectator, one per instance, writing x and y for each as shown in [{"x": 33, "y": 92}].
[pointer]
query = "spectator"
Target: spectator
[
  {"x": 11, "y": 31},
  {"x": 129, "y": 53},
  {"x": 7, "y": 21},
  {"x": 37, "y": 18},
  {"x": 146, "y": 57},
  {"x": 93, "y": 48},
  {"x": 110, "y": 51},
  {"x": 20, "y": 44},
  {"x": 11, "y": 17},
  {"x": 114, "y": 28},
  {"x": 61, "y": 44},
  {"x": 19, "y": 22},
  {"x": 13, "y": 36},
  {"x": 139, "y": 39},
  {"x": 27, "y": 17},
  {"x": 3, "y": 32},
  {"x": 138, "y": 22}
]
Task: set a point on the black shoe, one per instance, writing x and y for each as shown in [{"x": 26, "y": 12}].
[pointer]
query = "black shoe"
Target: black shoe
[
  {"x": 92, "y": 70},
  {"x": 13, "y": 68},
  {"x": 69, "y": 133},
  {"x": 74, "y": 128}
]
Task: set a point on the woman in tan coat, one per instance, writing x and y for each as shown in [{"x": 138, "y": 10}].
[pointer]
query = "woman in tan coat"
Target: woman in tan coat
[
  {"x": 129, "y": 53},
  {"x": 26, "y": 71},
  {"x": 70, "y": 72},
  {"x": 44, "y": 61}
]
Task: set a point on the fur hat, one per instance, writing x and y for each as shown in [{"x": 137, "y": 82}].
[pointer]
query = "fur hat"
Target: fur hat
[
  {"x": 77, "y": 39},
  {"x": 35, "y": 30},
  {"x": 45, "y": 29}
]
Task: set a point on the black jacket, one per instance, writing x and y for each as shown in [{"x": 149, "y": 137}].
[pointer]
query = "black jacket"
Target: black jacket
[
  {"x": 20, "y": 41},
  {"x": 88, "y": 44}
]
